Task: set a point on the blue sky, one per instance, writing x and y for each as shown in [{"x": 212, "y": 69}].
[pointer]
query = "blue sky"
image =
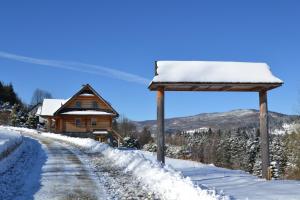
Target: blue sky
[{"x": 128, "y": 36}]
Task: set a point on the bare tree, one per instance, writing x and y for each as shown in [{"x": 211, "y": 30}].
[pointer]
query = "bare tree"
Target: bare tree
[
  {"x": 39, "y": 95},
  {"x": 126, "y": 127},
  {"x": 144, "y": 136}
]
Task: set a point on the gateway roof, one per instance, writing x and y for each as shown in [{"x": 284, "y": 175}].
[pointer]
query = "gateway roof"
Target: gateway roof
[{"x": 173, "y": 75}]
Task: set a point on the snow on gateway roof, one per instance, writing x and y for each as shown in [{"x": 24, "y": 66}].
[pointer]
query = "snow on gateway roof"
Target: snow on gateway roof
[
  {"x": 51, "y": 105},
  {"x": 214, "y": 71}
]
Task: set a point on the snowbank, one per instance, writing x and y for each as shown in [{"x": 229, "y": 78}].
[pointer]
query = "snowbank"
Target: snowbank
[
  {"x": 164, "y": 181},
  {"x": 236, "y": 183},
  {"x": 214, "y": 71},
  {"x": 9, "y": 140}
]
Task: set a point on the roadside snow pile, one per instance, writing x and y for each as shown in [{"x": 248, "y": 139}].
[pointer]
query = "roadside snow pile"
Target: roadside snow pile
[
  {"x": 9, "y": 140},
  {"x": 165, "y": 181}
]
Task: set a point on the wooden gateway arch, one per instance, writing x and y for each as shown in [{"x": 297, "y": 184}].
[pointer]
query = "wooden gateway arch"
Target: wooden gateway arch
[{"x": 214, "y": 76}]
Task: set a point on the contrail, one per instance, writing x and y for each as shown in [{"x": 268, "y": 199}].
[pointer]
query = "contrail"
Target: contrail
[{"x": 80, "y": 67}]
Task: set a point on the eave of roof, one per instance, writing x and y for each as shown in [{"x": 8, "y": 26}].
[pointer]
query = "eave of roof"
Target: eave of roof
[{"x": 213, "y": 86}]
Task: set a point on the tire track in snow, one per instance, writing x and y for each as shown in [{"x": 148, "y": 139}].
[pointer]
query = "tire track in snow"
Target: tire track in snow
[{"x": 64, "y": 176}]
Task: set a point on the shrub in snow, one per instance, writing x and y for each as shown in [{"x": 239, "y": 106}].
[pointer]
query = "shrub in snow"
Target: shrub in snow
[
  {"x": 152, "y": 147},
  {"x": 177, "y": 151},
  {"x": 130, "y": 142}
]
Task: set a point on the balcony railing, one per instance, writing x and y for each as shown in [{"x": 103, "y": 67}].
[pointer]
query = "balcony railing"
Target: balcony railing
[{"x": 85, "y": 127}]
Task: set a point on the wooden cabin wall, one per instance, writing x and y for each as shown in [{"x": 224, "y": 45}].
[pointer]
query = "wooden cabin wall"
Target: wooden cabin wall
[
  {"x": 69, "y": 125},
  {"x": 87, "y": 102}
]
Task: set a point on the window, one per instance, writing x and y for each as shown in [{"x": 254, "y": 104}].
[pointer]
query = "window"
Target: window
[
  {"x": 95, "y": 104},
  {"x": 93, "y": 122},
  {"x": 78, "y": 104},
  {"x": 77, "y": 122}
]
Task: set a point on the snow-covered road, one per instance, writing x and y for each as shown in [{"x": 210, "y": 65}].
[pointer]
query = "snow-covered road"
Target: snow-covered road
[
  {"x": 47, "y": 168},
  {"x": 64, "y": 176}
]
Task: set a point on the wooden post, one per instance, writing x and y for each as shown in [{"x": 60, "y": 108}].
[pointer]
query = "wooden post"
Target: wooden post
[
  {"x": 264, "y": 133},
  {"x": 160, "y": 126},
  {"x": 49, "y": 124}
]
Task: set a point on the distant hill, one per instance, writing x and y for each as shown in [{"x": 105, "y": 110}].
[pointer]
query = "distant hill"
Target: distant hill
[{"x": 241, "y": 118}]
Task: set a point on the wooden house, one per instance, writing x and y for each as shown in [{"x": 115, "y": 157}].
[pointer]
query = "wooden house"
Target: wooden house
[{"x": 85, "y": 114}]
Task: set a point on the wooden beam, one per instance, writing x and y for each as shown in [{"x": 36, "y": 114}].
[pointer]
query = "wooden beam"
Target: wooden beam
[
  {"x": 206, "y": 86},
  {"x": 264, "y": 133},
  {"x": 194, "y": 88},
  {"x": 225, "y": 88},
  {"x": 160, "y": 126}
]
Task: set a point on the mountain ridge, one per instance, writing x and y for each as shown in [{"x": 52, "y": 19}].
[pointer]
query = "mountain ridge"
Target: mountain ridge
[{"x": 233, "y": 119}]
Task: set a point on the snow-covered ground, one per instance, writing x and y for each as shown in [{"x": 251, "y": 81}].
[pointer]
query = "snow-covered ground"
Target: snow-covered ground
[
  {"x": 88, "y": 166},
  {"x": 21, "y": 170},
  {"x": 236, "y": 183},
  {"x": 9, "y": 148},
  {"x": 46, "y": 169},
  {"x": 8, "y": 142},
  {"x": 164, "y": 181},
  {"x": 113, "y": 171}
]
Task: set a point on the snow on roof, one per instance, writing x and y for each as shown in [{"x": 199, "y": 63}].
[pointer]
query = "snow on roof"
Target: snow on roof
[
  {"x": 86, "y": 94},
  {"x": 38, "y": 111},
  {"x": 86, "y": 112},
  {"x": 51, "y": 105},
  {"x": 214, "y": 71},
  {"x": 100, "y": 132}
]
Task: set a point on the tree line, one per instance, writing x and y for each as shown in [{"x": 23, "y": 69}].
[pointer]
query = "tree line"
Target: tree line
[
  {"x": 8, "y": 94},
  {"x": 13, "y": 111},
  {"x": 240, "y": 149}
]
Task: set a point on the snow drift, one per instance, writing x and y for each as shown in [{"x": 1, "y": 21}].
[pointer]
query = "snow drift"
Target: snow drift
[
  {"x": 9, "y": 140},
  {"x": 164, "y": 181}
]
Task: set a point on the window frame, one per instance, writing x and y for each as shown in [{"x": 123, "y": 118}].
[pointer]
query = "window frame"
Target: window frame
[
  {"x": 93, "y": 120},
  {"x": 95, "y": 104},
  {"x": 78, "y": 124},
  {"x": 78, "y": 104}
]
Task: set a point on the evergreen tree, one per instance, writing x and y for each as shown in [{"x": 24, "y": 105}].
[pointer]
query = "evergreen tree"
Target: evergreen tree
[
  {"x": 278, "y": 155},
  {"x": 18, "y": 116},
  {"x": 32, "y": 122},
  {"x": 14, "y": 116}
]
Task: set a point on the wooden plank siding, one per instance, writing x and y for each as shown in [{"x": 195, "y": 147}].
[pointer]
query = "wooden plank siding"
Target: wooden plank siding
[
  {"x": 68, "y": 123},
  {"x": 87, "y": 102}
]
